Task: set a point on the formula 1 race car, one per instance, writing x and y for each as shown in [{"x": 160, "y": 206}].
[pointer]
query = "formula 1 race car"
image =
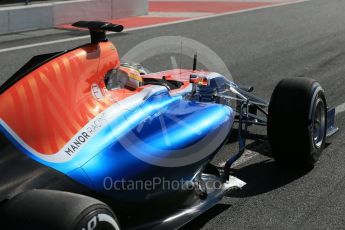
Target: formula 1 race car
[{"x": 89, "y": 143}]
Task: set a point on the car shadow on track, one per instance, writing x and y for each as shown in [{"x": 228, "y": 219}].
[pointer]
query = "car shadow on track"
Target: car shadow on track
[
  {"x": 265, "y": 176},
  {"x": 201, "y": 220},
  {"x": 261, "y": 177}
]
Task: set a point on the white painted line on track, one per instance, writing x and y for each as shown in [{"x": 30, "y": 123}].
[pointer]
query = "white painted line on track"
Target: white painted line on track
[
  {"x": 247, "y": 155},
  {"x": 151, "y": 26},
  {"x": 43, "y": 43},
  {"x": 340, "y": 108}
]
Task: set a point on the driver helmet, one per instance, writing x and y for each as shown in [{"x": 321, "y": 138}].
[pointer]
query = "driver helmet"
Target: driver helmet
[
  {"x": 131, "y": 77},
  {"x": 123, "y": 77}
]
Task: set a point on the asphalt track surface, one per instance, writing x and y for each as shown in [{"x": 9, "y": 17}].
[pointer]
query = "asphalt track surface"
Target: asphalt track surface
[{"x": 261, "y": 47}]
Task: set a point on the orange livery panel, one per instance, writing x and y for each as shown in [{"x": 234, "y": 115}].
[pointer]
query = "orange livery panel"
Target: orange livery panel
[{"x": 52, "y": 103}]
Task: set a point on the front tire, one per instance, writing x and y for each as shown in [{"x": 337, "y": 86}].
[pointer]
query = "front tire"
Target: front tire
[{"x": 297, "y": 122}]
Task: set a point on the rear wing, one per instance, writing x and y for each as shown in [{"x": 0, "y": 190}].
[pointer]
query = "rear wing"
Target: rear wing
[{"x": 98, "y": 29}]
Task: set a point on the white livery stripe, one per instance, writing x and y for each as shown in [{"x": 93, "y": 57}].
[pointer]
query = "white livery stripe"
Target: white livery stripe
[{"x": 102, "y": 119}]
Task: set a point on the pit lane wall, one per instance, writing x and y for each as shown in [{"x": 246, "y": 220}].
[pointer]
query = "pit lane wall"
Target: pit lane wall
[{"x": 47, "y": 15}]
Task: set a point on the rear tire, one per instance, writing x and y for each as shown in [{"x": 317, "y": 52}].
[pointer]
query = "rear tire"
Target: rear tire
[
  {"x": 56, "y": 210},
  {"x": 297, "y": 117}
]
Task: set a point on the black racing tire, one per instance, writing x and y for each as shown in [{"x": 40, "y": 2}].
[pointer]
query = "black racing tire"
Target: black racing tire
[
  {"x": 56, "y": 210},
  {"x": 297, "y": 117}
]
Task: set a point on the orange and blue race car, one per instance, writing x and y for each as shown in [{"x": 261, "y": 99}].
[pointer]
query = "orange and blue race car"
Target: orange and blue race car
[{"x": 87, "y": 142}]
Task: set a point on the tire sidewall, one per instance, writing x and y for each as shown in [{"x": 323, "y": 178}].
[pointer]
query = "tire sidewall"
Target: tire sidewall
[
  {"x": 317, "y": 94},
  {"x": 97, "y": 219}
]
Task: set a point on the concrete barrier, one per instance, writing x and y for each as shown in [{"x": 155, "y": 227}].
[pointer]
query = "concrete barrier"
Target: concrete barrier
[
  {"x": 121, "y": 9},
  {"x": 31, "y": 17},
  {"x": 66, "y": 12},
  {"x": 39, "y": 16},
  {"x": 4, "y": 22}
]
